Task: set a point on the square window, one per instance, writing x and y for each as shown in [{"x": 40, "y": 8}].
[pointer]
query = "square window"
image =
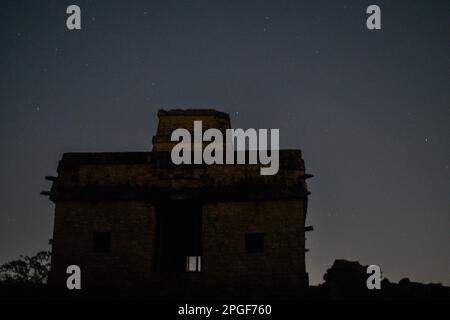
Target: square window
[
  {"x": 254, "y": 242},
  {"x": 102, "y": 242}
]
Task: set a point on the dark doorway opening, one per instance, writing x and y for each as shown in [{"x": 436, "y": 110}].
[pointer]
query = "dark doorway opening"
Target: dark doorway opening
[{"x": 179, "y": 235}]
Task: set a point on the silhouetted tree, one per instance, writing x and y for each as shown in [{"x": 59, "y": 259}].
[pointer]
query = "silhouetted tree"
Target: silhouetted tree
[{"x": 26, "y": 270}]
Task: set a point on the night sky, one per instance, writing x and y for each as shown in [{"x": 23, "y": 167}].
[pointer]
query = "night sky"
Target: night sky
[{"x": 369, "y": 109}]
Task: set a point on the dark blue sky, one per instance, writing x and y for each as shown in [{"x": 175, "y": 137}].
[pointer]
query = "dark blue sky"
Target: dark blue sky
[{"x": 369, "y": 109}]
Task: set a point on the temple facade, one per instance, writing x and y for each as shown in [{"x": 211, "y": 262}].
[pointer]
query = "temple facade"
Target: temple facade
[{"x": 136, "y": 219}]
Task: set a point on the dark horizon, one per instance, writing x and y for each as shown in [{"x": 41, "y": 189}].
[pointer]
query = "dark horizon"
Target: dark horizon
[{"x": 368, "y": 109}]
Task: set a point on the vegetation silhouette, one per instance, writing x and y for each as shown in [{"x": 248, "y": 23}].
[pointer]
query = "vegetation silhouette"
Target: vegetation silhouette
[
  {"x": 27, "y": 270},
  {"x": 27, "y": 277}
]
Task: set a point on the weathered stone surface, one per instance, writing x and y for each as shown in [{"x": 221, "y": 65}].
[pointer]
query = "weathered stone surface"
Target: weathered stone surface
[
  {"x": 132, "y": 226},
  {"x": 121, "y": 193},
  {"x": 174, "y": 119}
]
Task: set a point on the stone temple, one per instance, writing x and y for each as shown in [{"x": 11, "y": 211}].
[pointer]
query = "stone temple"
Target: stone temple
[{"x": 135, "y": 219}]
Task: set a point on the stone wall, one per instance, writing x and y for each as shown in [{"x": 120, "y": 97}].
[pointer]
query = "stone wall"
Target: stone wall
[
  {"x": 283, "y": 261},
  {"x": 132, "y": 227},
  {"x": 225, "y": 262}
]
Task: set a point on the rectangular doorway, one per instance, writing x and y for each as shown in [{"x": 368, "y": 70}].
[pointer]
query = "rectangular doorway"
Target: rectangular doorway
[{"x": 179, "y": 236}]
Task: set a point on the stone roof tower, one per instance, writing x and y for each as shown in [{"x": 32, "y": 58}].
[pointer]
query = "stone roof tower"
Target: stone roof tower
[{"x": 176, "y": 118}]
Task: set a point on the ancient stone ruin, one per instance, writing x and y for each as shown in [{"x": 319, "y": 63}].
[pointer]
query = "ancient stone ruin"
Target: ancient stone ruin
[{"x": 136, "y": 219}]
